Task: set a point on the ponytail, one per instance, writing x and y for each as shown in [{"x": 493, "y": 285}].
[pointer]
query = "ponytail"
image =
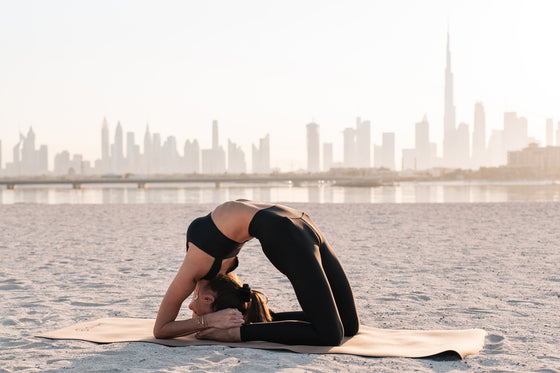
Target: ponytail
[
  {"x": 231, "y": 294},
  {"x": 257, "y": 310}
]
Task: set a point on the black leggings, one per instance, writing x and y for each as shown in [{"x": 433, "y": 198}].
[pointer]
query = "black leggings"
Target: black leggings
[{"x": 296, "y": 247}]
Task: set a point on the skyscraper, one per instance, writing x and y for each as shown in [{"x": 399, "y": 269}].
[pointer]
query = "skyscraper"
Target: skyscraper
[
  {"x": 327, "y": 156},
  {"x": 549, "y": 132},
  {"x": 192, "y": 156},
  {"x": 147, "y": 158},
  {"x": 449, "y": 129},
  {"x": 463, "y": 148},
  {"x": 363, "y": 143},
  {"x": 117, "y": 154},
  {"x": 236, "y": 159},
  {"x": 105, "y": 143},
  {"x": 422, "y": 144},
  {"x": 313, "y": 147},
  {"x": 479, "y": 136},
  {"x": 214, "y": 159},
  {"x": 261, "y": 156},
  {"x": 349, "y": 155},
  {"x": 384, "y": 154}
]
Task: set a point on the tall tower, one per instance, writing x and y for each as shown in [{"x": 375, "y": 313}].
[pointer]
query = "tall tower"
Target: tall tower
[
  {"x": 215, "y": 138},
  {"x": 117, "y": 153},
  {"x": 479, "y": 136},
  {"x": 449, "y": 129},
  {"x": 313, "y": 147},
  {"x": 105, "y": 142}
]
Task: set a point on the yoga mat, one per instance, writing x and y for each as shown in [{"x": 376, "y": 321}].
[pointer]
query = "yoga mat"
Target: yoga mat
[{"x": 368, "y": 342}]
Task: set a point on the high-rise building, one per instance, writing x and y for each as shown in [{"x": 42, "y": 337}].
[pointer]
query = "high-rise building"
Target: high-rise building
[
  {"x": 463, "y": 146},
  {"x": 105, "y": 142},
  {"x": 549, "y": 132},
  {"x": 214, "y": 159},
  {"x": 515, "y": 132},
  {"x": 558, "y": 134},
  {"x": 384, "y": 154},
  {"x": 192, "y": 156},
  {"x": 363, "y": 143},
  {"x": 0, "y": 156},
  {"x": 327, "y": 156},
  {"x": 313, "y": 142},
  {"x": 349, "y": 150},
  {"x": 479, "y": 137},
  {"x": 449, "y": 129},
  {"x": 147, "y": 156},
  {"x": 261, "y": 156},
  {"x": 117, "y": 154},
  {"x": 496, "y": 154},
  {"x": 236, "y": 159},
  {"x": 422, "y": 145}
]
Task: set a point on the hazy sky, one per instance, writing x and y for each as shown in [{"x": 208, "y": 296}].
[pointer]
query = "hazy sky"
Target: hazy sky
[{"x": 269, "y": 67}]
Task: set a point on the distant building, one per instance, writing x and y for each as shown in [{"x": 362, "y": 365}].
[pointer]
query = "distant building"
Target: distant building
[
  {"x": 515, "y": 132},
  {"x": 349, "y": 144},
  {"x": 449, "y": 129},
  {"x": 463, "y": 146},
  {"x": 545, "y": 159},
  {"x": 236, "y": 159},
  {"x": 327, "y": 156},
  {"x": 549, "y": 132},
  {"x": 363, "y": 143},
  {"x": 422, "y": 145},
  {"x": 261, "y": 156},
  {"x": 384, "y": 155},
  {"x": 478, "y": 155},
  {"x": 105, "y": 156},
  {"x": 214, "y": 159},
  {"x": 313, "y": 144},
  {"x": 191, "y": 155}
]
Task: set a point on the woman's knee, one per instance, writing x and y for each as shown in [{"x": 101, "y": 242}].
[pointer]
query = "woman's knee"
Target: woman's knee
[{"x": 332, "y": 335}]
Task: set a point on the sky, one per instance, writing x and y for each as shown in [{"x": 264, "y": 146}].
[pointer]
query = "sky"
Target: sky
[{"x": 263, "y": 67}]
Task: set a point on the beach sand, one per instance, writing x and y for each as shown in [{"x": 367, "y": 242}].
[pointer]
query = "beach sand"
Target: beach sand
[{"x": 493, "y": 266}]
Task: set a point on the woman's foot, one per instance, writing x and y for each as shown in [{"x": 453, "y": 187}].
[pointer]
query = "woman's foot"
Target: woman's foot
[{"x": 223, "y": 335}]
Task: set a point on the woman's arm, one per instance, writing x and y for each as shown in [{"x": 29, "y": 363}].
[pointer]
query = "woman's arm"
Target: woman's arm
[
  {"x": 195, "y": 265},
  {"x": 195, "y": 262}
]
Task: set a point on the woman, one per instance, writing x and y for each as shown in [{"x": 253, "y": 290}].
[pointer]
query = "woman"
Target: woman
[
  {"x": 295, "y": 246},
  {"x": 224, "y": 295}
]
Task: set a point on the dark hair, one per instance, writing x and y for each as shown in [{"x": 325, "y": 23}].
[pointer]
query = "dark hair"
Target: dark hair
[{"x": 230, "y": 293}]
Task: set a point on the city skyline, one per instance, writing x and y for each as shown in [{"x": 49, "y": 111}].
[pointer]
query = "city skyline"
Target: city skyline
[{"x": 271, "y": 70}]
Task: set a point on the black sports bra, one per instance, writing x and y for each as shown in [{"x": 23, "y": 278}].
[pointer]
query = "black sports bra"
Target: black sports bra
[{"x": 207, "y": 237}]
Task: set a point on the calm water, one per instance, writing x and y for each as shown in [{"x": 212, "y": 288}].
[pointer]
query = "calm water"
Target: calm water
[{"x": 403, "y": 193}]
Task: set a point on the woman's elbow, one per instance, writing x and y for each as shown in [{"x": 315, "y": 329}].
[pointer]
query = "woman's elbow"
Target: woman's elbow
[{"x": 159, "y": 334}]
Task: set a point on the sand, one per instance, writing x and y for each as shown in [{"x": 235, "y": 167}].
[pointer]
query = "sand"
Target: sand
[{"x": 493, "y": 266}]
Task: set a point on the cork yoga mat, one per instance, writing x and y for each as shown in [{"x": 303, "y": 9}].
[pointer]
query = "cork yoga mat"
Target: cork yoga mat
[{"x": 368, "y": 342}]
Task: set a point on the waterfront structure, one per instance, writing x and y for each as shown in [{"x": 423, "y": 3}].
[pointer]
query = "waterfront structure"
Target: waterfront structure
[
  {"x": 214, "y": 159},
  {"x": 384, "y": 154},
  {"x": 236, "y": 159},
  {"x": 449, "y": 129},
  {"x": 478, "y": 156},
  {"x": 363, "y": 143},
  {"x": 105, "y": 156},
  {"x": 191, "y": 157},
  {"x": 261, "y": 156},
  {"x": 327, "y": 156},
  {"x": 313, "y": 143},
  {"x": 463, "y": 148},
  {"x": 422, "y": 145},
  {"x": 546, "y": 159},
  {"x": 549, "y": 141}
]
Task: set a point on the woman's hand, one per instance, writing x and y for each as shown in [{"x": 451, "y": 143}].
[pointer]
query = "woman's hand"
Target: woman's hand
[
  {"x": 224, "y": 335},
  {"x": 224, "y": 319}
]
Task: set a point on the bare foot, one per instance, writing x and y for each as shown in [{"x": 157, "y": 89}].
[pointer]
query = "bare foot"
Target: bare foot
[{"x": 223, "y": 335}]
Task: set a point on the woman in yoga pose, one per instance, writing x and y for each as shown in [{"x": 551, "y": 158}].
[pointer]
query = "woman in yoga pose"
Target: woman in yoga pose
[{"x": 295, "y": 246}]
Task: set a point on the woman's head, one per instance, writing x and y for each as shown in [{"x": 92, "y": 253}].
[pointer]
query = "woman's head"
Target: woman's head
[{"x": 226, "y": 291}]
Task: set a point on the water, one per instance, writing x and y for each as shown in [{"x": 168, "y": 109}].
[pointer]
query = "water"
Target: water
[{"x": 440, "y": 192}]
